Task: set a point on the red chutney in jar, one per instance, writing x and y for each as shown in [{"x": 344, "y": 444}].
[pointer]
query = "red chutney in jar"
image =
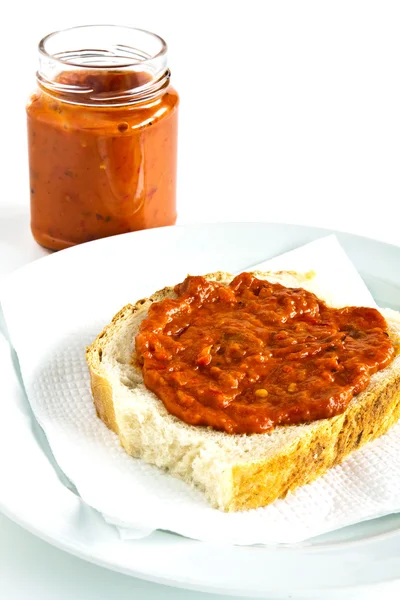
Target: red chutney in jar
[
  {"x": 102, "y": 151},
  {"x": 250, "y": 356}
]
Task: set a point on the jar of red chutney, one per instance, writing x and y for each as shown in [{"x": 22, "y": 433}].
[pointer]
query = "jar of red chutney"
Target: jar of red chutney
[{"x": 102, "y": 135}]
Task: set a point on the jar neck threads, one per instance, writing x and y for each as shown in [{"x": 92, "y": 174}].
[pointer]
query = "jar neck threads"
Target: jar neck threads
[{"x": 103, "y": 65}]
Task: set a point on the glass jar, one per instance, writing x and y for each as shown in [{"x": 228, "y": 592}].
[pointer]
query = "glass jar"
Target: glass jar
[{"x": 102, "y": 135}]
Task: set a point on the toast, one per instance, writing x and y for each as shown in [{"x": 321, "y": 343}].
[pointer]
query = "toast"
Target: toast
[{"x": 236, "y": 472}]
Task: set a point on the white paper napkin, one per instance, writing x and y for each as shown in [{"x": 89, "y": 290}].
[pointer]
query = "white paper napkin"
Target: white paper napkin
[{"x": 138, "y": 498}]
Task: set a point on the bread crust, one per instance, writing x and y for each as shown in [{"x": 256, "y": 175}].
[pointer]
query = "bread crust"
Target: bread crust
[
  {"x": 102, "y": 391},
  {"x": 257, "y": 483},
  {"x": 261, "y": 484},
  {"x": 101, "y": 388}
]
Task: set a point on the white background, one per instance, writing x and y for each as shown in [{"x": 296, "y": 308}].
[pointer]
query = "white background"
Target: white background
[{"x": 290, "y": 112}]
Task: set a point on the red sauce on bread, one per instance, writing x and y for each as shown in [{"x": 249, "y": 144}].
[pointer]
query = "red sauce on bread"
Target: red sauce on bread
[{"x": 252, "y": 355}]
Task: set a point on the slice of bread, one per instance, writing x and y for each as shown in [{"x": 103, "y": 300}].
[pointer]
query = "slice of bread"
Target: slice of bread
[{"x": 236, "y": 472}]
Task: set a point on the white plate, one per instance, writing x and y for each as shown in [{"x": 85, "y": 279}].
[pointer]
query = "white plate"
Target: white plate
[{"x": 353, "y": 558}]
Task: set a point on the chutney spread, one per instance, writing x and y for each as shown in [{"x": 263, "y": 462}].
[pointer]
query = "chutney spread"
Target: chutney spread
[
  {"x": 251, "y": 355},
  {"x": 98, "y": 167}
]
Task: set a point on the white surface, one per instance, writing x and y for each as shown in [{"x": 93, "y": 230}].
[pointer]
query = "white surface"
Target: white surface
[
  {"x": 289, "y": 110},
  {"x": 131, "y": 493},
  {"x": 32, "y": 569},
  {"x": 318, "y": 122}
]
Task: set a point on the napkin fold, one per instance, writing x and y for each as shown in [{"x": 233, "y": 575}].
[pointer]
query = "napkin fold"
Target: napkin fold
[{"x": 139, "y": 498}]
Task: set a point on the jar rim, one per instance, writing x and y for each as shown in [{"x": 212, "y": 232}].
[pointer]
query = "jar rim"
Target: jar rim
[
  {"x": 132, "y": 63},
  {"x": 91, "y": 51}
]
